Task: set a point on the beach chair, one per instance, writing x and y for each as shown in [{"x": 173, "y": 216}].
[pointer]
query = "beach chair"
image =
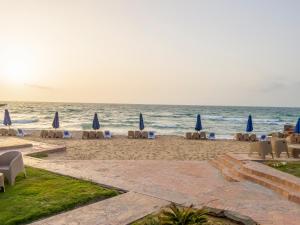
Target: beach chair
[
  {"x": 92, "y": 135},
  {"x": 3, "y": 132},
  {"x": 130, "y": 134},
  {"x": 12, "y": 132},
  {"x": 59, "y": 134},
  {"x": 288, "y": 127},
  {"x": 21, "y": 133},
  {"x": 279, "y": 145},
  {"x": 298, "y": 138},
  {"x": 137, "y": 134},
  {"x": 51, "y": 134},
  {"x": 144, "y": 134},
  {"x": 246, "y": 137},
  {"x": 85, "y": 135},
  {"x": 238, "y": 136},
  {"x": 107, "y": 134},
  {"x": 44, "y": 134},
  {"x": 212, "y": 136},
  {"x": 99, "y": 135},
  {"x": 67, "y": 134},
  {"x": 263, "y": 148},
  {"x": 195, "y": 136},
  {"x": 291, "y": 139},
  {"x": 188, "y": 135},
  {"x": 11, "y": 164},
  {"x": 151, "y": 135},
  {"x": 202, "y": 135},
  {"x": 252, "y": 137}
]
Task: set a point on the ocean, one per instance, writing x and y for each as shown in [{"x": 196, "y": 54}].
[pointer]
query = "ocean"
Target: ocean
[{"x": 225, "y": 121}]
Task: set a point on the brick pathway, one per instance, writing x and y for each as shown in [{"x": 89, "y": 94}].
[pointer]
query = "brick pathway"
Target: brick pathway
[{"x": 183, "y": 182}]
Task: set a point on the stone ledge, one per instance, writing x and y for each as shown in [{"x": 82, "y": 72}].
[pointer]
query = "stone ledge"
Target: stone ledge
[
  {"x": 285, "y": 184},
  {"x": 246, "y": 220},
  {"x": 272, "y": 174}
]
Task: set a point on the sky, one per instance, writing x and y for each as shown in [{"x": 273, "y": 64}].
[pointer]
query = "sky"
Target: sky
[{"x": 191, "y": 52}]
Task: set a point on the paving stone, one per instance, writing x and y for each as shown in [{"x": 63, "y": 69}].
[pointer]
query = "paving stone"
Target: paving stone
[{"x": 122, "y": 209}]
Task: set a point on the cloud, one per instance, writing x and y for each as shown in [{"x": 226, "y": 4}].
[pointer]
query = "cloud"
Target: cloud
[{"x": 36, "y": 86}]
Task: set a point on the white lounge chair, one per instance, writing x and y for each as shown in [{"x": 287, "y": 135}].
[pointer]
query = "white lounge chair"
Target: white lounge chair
[
  {"x": 151, "y": 135},
  {"x": 22, "y": 133},
  {"x": 107, "y": 134},
  {"x": 67, "y": 134},
  {"x": 11, "y": 164},
  {"x": 263, "y": 137},
  {"x": 212, "y": 136}
]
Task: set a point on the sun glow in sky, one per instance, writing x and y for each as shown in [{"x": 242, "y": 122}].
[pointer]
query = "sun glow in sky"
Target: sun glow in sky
[
  {"x": 205, "y": 52},
  {"x": 17, "y": 66}
]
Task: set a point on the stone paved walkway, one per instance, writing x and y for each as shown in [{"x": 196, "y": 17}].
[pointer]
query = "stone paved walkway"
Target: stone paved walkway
[
  {"x": 183, "y": 182},
  {"x": 122, "y": 209}
]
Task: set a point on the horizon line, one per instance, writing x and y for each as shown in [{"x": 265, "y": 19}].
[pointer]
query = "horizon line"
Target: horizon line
[{"x": 154, "y": 104}]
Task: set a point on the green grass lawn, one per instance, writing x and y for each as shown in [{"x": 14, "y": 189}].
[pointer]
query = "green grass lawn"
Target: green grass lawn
[
  {"x": 43, "y": 193},
  {"x": 289, "y": 167},
  {"x": 39, "y": 155}
]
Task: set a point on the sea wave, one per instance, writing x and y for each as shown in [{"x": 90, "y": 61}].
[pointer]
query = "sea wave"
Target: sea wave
[
  {"x": 212, "y": 117},
  {"x": 25, "y": 121},
  {"x": 244, "y": 120}
]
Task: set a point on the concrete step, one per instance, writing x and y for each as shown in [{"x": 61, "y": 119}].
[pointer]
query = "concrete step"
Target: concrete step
[
  {"x": 258, "y": 169},
  {"x": 273, "y": 175},
  {"x": 233, "y": 171},
  {"x": 226, "y": 162},
  {"x": 289, "y": 193},
  {"x": 228, "y": 173},
  {"x": 234, "y": 158}
]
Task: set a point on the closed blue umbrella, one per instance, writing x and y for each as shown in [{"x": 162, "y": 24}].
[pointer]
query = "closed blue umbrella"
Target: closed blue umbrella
[
  {"x": 198, "y": 126},
  {"x": 55, "y": 123},
  {"x": 7, "y": 120},
  {"x": 249, "y": 124},
  {"x": 141, "y": 122},
  {"x": 96, "y": 124},
  {"x": 297, "y": 127}
]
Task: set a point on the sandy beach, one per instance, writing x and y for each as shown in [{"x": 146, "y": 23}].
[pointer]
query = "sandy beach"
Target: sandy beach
[{"x": 162, "y": 148}]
